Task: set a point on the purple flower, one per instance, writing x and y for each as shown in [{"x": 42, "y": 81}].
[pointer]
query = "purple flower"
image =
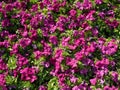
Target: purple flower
[
  {"x": 25, "y": 33},
  {"x": 46, "y": 49},
  {"x": 53, "y": 40},
  {"x": 34, "y": 8},
  {"x": 24, "y": 42},
  {"x": 73, "y": 79},
  {"x": 4, "y": 33},
  {"x": 46, "y": 2},
  {"x": 98, "y": 1},
  {"x": 2, "y": 80},
  {"x": 114, "y": 76},
  {"x": 110, "y": 13},
  {"x": 101, "y": 42},
  {"x": 72, "y": 12},
  {"x": 79, "y": 55},
  {"x": 66, "y": 88},
  {"x": 14, "y": 49},
  {"x": 17, "y": 5},
  {"x": 28, "y": 74},
  {"x": 46, "y": 64},
  {"x": 65, "y": 41},
  {"x": 87, "y": 4},
  {"x": 6, "y": 43},
  {"x": 3, "y": 66},
  {"x": 22, "y": 61},
  {"x": 75, "y": 88},
  {"x": 37, "y": 54},
  {"x": 58, "y": 55},
  {"x": 9, "y": 7},
  {"x": 84, "y": 71},
  {"x": 114, "y": 88},
  {"x": 12, "y": 37},
  {"x": 105, "y": 61},
  {"x": 95, "y": 32},
  {"x": 90, "y": 15},
  {"x": 112, "y": 24},
  {"x": 110, "y": 49},
  {"x": 5, "y": 22},
  {"x": 33, "y": 35},
  {"x": 71, "y": 62},
  {"x": 42, "y": 87},
  {"x": 102, "y": 15}
]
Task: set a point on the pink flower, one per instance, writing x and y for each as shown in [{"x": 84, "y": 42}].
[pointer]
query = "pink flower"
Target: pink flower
[
  {"x": 98, "y": 1},
  {"x": 93, "y": 81},
  {"x": 72, "y": 12},
  {"x": 42, "y": 88},
  {"x": 107, "y": 88}
]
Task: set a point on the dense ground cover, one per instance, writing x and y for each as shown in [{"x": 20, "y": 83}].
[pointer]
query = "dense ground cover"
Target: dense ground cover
[{"x": 60, "y": 44}]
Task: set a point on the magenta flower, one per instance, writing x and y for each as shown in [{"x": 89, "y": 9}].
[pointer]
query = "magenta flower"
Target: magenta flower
[
  {"x": 37, "y": 54},
  {"x": 53, "y": 39},
  {"x": 3, "y": 66},
  {"x": 22, "y": 61},
  {"x": 65, "y": 41},
  {"x": 42, "y": 88},
  {"x": 2, "y": 80},
  {"x": 90, "y": 15},
  {"x": 14, "y": 49},
  {"x": 72, "y": 12},
  {"x": 71, "y": 62},
  {"x": 5, "y": 22},
  {"x": 87, "y": 4},
  {"x": 9, "y": 7},
  {"x": 73, "y": 79},
  {"x": 28, "y": 74},
  {"x": 110, "y": 49},
  {"x": 24, "y": 42},
  {"x": 58, "y": 55},
  {"x": 114, "y": 76}
]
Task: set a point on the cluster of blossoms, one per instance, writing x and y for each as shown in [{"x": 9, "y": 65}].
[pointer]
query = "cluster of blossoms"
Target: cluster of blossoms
[{"x": 59, "y": 44}]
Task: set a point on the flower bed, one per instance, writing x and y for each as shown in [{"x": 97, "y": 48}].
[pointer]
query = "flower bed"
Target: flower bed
[{"x": 60, "y": 44}]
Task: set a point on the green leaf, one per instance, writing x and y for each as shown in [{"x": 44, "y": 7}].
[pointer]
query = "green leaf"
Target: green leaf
[
  {"x": 39, "y": 31},
  {"x": 33, "y": 1},
  {"x": 93, "y": 87},
  {"x": 10, "y": 79},
  {"x": 53, "y": 84},
  {"x": 12, "y": 62},
  {"x": 25, "y": 84}
]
